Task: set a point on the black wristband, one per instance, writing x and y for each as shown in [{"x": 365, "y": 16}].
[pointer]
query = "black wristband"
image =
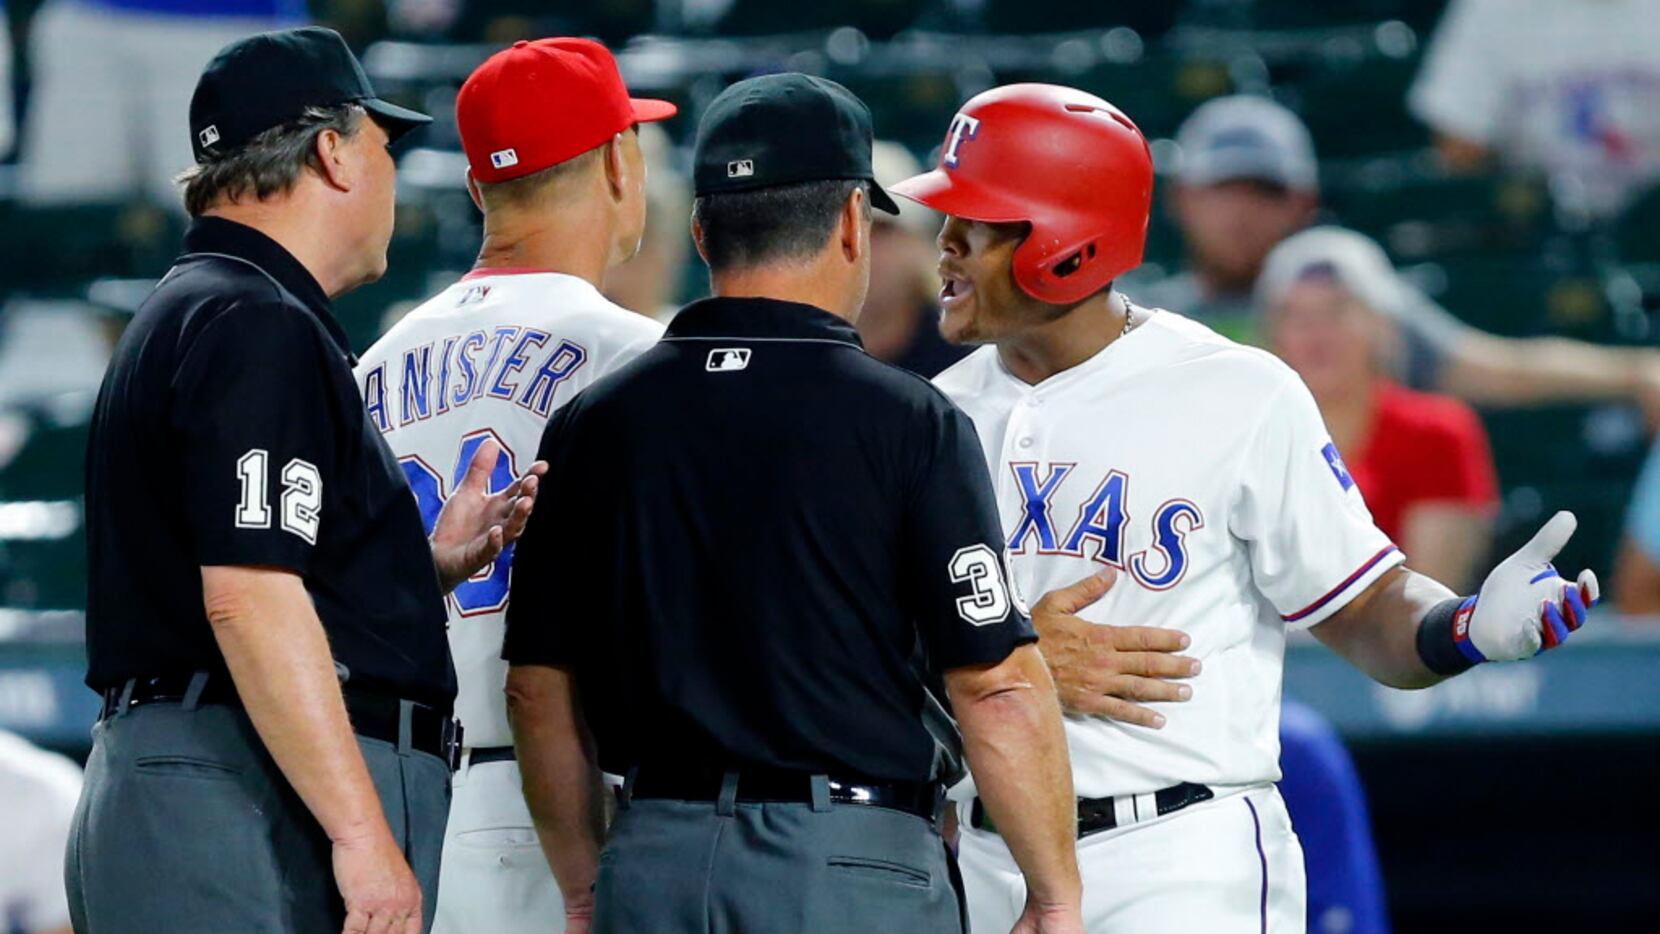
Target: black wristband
[{"x": 1438, "y": 644}]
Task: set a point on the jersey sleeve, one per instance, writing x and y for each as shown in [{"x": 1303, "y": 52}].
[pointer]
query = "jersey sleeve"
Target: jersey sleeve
[
  {"x": 1310, "y": 538},
  {"x": 547, "y": 571},
  {"x": 257, "y": 436},
  {"x": 1460, "y": 90},
  {"x": 953, "y": 560}
]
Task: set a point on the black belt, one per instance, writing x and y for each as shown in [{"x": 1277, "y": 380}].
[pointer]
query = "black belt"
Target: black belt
[
  {"x": 772, "y": 786},
  {"x": 375, "y": 716},
  {"x": 483, "y": 754},
  {"x": 1098, "y": 814}
]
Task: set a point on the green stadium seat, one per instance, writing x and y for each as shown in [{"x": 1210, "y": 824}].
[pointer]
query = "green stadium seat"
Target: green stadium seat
[
  {"x": 1353, "y": 106},
  {"x": 1158, "y": 90},
  {"x": 1021, "y": 17},
  {"x": 50, "y": 463},
  {"x": 55, "y": 250},
  {"x": 878, "y": 19},
  {"x": 1637, "y": 230},
  {"x": 913, "y": 109},
  {"x": 1303, "y": 14},
  {"x": 1419, "y": 211},
  {"x": 1523, "y": 296},
  {"x": 42, "y": 555}
]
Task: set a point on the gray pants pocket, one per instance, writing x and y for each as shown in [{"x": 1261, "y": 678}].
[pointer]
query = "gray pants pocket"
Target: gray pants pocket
[{"x": 880, "y": 870}]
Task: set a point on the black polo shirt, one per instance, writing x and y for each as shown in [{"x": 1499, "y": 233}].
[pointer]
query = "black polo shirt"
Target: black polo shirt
[
  {"x": 742, "y": 537},
  {"x": 229, "y": 431}
]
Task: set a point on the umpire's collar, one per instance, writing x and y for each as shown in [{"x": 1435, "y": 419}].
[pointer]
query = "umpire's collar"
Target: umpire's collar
[
  {"x": 228, "y": 238},
  {"x": 760, "y": 319}
]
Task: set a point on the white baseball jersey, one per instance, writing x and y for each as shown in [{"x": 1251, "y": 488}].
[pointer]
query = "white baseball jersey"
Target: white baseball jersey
[
  {"x": 494, "y": 355},
  {"x": 38, "y": 790},
  {"x": 1202, "y": 471}
]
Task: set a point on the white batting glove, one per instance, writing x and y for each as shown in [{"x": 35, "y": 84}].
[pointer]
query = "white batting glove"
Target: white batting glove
[{"x": 1524, "y": 606}]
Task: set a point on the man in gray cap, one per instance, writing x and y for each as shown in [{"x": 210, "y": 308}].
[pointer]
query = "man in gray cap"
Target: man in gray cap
[{"x": 1246, "y": 178}]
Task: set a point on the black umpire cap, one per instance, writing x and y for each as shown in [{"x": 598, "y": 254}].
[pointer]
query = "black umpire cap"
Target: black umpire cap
[
  {"x": 783, "y": 129},
  {"x": 268, "y": 79}
]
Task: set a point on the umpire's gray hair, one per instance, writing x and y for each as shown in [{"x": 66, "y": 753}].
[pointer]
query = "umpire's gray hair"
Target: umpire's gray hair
[{"x": 268, "y": 164}]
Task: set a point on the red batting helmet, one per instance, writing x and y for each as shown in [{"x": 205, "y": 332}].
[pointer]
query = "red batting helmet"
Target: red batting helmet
[{"x": 1065, "y": 161}]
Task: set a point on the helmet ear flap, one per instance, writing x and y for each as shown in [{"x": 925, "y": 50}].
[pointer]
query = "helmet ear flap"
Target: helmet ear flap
[{"x": 1060, "y": 274}]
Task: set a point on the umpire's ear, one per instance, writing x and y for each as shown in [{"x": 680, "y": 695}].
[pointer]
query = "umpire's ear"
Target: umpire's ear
[
  {"x": 697, "y": 240},
  {"x": 853, "y": 231}
]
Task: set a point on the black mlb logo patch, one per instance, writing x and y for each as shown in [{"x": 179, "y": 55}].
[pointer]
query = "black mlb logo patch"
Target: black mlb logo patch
[
  {"x": 727, "y": 359},
  {"x": 740, "y": 168}
]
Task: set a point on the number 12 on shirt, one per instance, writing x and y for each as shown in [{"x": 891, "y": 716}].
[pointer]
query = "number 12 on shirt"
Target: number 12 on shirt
[{"x": 486, "y": 591}]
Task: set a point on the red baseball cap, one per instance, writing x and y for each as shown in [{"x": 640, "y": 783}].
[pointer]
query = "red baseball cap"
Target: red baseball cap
[{"x": 540, "y": 103}]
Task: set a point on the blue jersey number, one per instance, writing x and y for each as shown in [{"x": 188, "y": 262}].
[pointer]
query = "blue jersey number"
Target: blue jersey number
[{"x": 486, "y": 591}]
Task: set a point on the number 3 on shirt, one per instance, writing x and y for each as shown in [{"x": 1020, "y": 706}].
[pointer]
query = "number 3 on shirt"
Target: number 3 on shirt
[
  {"x": 979, "y": 566},
  {"x": 486, "y": 591}
]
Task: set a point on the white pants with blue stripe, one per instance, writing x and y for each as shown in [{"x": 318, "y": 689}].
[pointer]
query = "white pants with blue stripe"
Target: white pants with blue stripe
[{"x": 1231, "y": 865}]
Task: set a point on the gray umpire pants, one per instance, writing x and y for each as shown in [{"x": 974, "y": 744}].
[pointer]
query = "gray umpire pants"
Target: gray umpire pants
[
  {"x": 186, "y": 826},
  {"x": 690, "y": 867}
]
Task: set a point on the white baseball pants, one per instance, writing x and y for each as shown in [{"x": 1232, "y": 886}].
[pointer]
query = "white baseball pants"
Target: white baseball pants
[{"x": 1231, "y": 865}]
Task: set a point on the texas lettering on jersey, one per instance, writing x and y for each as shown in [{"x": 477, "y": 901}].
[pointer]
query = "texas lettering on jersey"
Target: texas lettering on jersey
[
  {"x": 508, "y": 363},
  {"x": 1098, "y": 531}
]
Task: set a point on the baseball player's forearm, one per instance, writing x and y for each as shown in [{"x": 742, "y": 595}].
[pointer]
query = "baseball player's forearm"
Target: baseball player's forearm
[
  {"x": 1378, "y": 630},
  {"x": 561, "y": 776},
  {"x": 279, "y": 658},
  {"x": 1408, "y": 631},
  {"x": 1016, "y": 748}
]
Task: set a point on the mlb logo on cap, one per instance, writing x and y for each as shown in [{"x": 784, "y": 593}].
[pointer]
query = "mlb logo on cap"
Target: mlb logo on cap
[
  {"x": 209, "y": 135},
  {"x": 741, "y": 168},
  {"x": 537, "y": 104}
]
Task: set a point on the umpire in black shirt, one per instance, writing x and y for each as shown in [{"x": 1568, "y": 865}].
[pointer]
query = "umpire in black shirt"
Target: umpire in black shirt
[
  {"x": 745, "y": 534},
  {"x": 261, "y": 584}
]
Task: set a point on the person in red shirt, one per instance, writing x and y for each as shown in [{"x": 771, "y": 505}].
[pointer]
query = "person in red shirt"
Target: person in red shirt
[{"x": 1421, "y": 460}]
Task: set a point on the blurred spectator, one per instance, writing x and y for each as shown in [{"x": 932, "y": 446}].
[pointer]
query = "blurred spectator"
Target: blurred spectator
[
  {"x": 652, "y": 281},
  {"x": 38, "y": 790},
  {"x": 1246, "y": 178},
  {"x": 900, "y": 319},
  {"x": 1567, "y": 88},
  {"x": 1252, "y": 172},
  {"x": 111, "y": 90},
  {"x": 1637, "y": 576},
  {"x": 1328, "y": 810},
  {"x": 1421, "y": 461}
]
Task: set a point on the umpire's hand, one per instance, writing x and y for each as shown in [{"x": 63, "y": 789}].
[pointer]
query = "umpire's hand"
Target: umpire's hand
[
  {"x": 1099, "y": 670},
  {"x": 380, "y": 891},
  {"x": 475, "y": 524}
]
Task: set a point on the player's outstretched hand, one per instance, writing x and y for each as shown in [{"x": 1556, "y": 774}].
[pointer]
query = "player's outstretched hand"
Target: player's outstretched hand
[
  {"x": 1039, "y": 919},
  {"x": 1103, "y": 670},
  {"x": 475, "y": 524},
  {"x": 1525, "y": 606}
]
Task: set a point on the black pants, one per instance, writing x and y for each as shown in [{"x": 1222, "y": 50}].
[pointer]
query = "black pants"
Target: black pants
[{"x": 186, "y": 826}]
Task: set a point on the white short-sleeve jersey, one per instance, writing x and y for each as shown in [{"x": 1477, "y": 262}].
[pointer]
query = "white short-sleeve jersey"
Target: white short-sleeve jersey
[
  {"x": 38, "y": 790},
  {"x": 1202, "y": 471},
  {"x": 493, "y": 355}
]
